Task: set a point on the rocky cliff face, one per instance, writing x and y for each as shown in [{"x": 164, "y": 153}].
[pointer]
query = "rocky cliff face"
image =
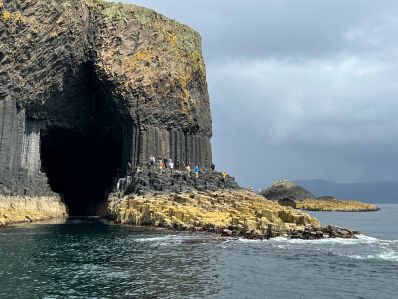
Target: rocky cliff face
[{"x": 89, "y": 87}]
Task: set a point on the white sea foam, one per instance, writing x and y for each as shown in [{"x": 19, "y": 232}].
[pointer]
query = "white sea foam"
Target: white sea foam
[
  {"x": 159, "y": 239},
  {"x": 249, "y": 240},
  {"x": 390, "y": 255}
]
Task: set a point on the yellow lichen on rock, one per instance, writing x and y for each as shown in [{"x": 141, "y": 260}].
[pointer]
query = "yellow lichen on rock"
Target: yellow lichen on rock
[
  {"x": 165, "y": 46},
  {"x": 18, "y": 17},
  {"x": 172, "y": 38},
  {"x": 142, "y": 56},
  {"x": 237, "y": 210},
  {"x": 6, "y": 16},
  {"x": 335, "y": 205},
  {"x": 1, "y": 4}
]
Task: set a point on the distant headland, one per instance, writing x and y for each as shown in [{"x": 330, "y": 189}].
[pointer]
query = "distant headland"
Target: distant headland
[{"x": 291, "y": 194}]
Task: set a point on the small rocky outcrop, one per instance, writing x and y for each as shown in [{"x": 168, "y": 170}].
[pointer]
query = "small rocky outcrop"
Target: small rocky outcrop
[
  {"x": 283, "y": 189},
  {"x": 329, "y": 203},
  {"x": 235, "y": 213},
  {"x": 288, "y": 202},
  {"x": 290, "y": 194}
]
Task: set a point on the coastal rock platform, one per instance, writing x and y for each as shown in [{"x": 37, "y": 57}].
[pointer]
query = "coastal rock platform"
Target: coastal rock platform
[
  {"x": 233, "y": 213},
  {"x": 335, "y": 205}
]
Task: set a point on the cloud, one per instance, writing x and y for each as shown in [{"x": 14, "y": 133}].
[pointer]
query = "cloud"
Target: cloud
[
  {"x": 333, "y": 101},
  {"x": 299, "y": 89}
]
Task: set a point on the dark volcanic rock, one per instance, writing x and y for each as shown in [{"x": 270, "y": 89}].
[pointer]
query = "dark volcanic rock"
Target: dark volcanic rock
[
  {"x": 288, "y": 202},
  {"x": 280, "y": 190},
  {"x": 119, "y": 81},
  {"x": 151, "y": 181}
]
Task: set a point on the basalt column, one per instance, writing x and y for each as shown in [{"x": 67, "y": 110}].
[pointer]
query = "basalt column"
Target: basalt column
[{"x": 177, "y": 145}]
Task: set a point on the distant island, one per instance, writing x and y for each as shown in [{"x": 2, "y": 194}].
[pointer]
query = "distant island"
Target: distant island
[
  {"x": 288, "y": 193},
  {"x": 370, "y": 192}
]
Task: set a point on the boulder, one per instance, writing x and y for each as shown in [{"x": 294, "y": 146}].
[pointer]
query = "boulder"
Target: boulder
[
  {"x": 288, "y": 202},
  {"x": 280, "y": 190}
]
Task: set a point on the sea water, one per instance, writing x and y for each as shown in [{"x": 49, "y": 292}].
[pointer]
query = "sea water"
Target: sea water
[{"x": 88, "y": 258}]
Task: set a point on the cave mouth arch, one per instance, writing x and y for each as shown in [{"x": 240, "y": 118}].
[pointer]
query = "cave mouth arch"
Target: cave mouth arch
[{"x": 83, "y": 158}]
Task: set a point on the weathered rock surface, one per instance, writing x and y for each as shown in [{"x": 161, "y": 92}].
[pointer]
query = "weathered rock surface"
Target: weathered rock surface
[
  {"x": 79, "y": 70},
  {"x": 229, "y": 212},
  {"x": 288, "y": 202},
  {"x": 151, "y": 181},
  {"x": 290, "y": 194},
  {"x": 332, "y": 204},
  {"x": 283, "y": 189},
  {"x": 27, "y": 209}
]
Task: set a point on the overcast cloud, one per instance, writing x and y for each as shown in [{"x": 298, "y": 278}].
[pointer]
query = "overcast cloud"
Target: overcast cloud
[{"x": 299, "y": 89}]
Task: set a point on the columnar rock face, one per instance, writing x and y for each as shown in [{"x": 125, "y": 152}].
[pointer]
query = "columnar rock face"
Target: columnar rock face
[{"x": 82, "y": 72}]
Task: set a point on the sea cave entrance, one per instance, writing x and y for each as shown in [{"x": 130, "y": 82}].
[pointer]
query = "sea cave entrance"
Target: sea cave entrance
[
  {"x": 81, "y": 167},
  {"x": 83, "y": 159}
]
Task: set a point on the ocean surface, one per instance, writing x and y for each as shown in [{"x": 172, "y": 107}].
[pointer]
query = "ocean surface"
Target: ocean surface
[{"x": 87, "y": 258}]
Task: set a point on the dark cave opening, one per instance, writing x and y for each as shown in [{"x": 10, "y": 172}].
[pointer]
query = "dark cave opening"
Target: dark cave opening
[
  {"x": 83, "y": 161},
  {"x": 81, "y": 167}
]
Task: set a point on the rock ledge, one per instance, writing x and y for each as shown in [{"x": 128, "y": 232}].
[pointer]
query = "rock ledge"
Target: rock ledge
[
  {"x": 15, "y": 209},
  {"x": 233, "y": 213}
]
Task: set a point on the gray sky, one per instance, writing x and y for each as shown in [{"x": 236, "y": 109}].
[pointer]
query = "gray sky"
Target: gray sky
[{"x": 299, "y": 89}]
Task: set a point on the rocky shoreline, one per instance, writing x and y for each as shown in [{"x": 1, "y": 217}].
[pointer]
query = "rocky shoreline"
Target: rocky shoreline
[
  {"x": 235, "y": 213},
  {"x": 230, "y": 213},
  {"x": 335, "y": 205},
  {"x": 19, "y": 209}
]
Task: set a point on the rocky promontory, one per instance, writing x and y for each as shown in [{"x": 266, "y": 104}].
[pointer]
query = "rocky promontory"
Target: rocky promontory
[
  {"x": 329, "y": 203},
  {"x": 290, "y": 194},
  {"x": 233, "y": 213}
]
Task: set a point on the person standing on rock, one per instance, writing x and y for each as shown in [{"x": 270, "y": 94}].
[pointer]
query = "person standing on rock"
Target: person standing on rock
[
  {"x": 188, "y": 169},
  {"x": 224, "y": 175},
  {"x": 213, "y": 167},
  {"x": 171, "y": 165},
  {"x": 166, "y": 162},
  {"x": 152, "y": 160},
  {"x": 196, "y": 171},
  {"x": 178, "y": 165}
]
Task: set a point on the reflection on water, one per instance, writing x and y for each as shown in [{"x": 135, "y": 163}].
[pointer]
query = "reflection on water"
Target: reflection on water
[{"x": 88, "y": 258}]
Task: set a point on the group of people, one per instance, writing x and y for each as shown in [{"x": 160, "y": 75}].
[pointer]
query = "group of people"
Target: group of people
[{"x": 189, "y": 167}]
